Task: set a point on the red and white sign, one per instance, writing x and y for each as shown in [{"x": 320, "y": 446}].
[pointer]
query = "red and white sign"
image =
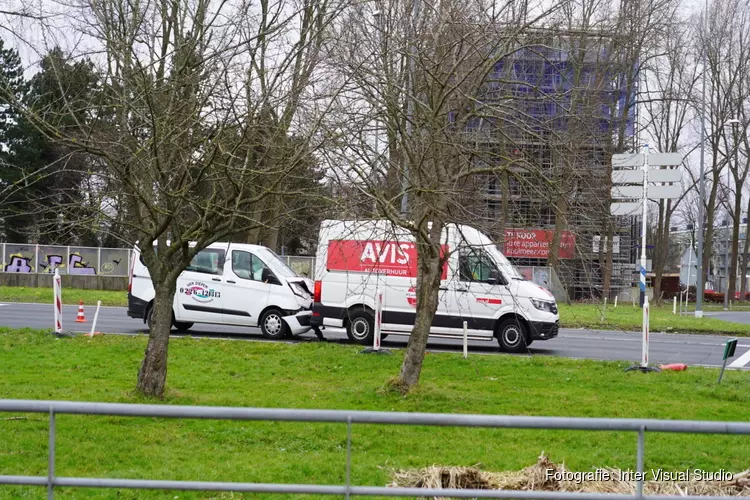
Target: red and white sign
[
  {"x": 487, "y": 300},
  {"x": 378, "y": 257},
  {"x": 534, "y": 243}
]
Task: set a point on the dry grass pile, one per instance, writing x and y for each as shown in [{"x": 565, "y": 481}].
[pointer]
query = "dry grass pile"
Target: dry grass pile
[{"x": 548, "y": 476}]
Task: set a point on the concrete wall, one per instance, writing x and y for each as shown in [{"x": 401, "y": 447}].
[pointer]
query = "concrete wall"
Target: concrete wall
[{"x": 68, "y": 281}]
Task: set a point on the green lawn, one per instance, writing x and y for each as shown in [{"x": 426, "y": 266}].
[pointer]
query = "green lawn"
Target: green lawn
[
  {"x": 70, "y": 295},
  {"x": 624, "y": 317},
  {"x": 311, "y": 375}
]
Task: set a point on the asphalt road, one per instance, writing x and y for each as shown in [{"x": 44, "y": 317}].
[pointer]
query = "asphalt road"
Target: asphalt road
[
  {"x": 705, "y": 350},
  {"x": 732, "y": 316}
]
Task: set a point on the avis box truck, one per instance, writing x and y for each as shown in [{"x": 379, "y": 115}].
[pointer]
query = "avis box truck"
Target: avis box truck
[{"x": 479, "y": 286}]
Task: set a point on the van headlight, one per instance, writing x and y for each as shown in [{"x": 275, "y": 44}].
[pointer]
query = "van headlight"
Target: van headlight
[
  {"x": 544, "y": 305},
  {"x": 300, "y": 291}
]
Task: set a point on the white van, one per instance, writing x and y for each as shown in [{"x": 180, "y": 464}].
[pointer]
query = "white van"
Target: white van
[
  {"x": 479, "y": 285},
  {"x": 230, "y": 284}
]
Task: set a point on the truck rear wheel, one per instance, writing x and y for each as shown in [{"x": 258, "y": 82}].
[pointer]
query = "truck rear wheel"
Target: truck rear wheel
[
  {"x": 361, "y": 327},
  {"x": 512, "y": 335}
]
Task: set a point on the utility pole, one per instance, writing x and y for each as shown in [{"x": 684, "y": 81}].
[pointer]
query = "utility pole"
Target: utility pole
[
  {"x": 410, "y": 104},
  {"x": 702, "y": 183}
]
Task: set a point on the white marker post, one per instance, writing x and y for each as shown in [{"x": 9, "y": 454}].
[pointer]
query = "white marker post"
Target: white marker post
[
  {"x": 644, "y": 353},
  {"x": 466, "y": 340},
  {"x": 674, "y": 305},
  {"x": 378, "y": 319},
  {"x": 96, "y": 315},
  {"x": 57, "y": 292},
  {"x": 616, "y": 297}
]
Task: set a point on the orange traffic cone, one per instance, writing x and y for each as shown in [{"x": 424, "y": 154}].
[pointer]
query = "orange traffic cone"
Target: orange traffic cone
[{"x": 81, "y": 318}]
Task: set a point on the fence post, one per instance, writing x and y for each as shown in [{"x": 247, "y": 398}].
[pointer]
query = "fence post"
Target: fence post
[
  {"x": 639, "y": 460},
  {"x": 36, "y": 259},
  {"x": 98, "y": 260},
  {"x": 3, "y": 263},
  {"x": 51, "y": 458},
  {"x": 348, "y": 455},
  {"x": 67, "y": 261}
]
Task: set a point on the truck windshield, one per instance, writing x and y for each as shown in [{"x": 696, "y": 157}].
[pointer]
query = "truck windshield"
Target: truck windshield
[
  {"x": 503, "y": 264},
  {"x": 278, "y": 265}
]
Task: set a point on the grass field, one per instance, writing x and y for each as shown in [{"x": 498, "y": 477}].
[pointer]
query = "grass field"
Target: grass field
[
  {"x": 629, "y": 318},
  {"x": 311, "y": 375},
  {"x": 624, "y": 317},
  {"x": 70, "y": 295}
]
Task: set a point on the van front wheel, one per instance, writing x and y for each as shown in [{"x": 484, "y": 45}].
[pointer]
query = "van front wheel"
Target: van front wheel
[
  {"x": 512, "y": 335},
  {"x": 272, "y": 325},
  {"x": 361, "y": 327}
]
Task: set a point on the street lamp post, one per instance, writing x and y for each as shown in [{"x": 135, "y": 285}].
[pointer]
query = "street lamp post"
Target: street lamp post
[{"x": 733, "y": 122}]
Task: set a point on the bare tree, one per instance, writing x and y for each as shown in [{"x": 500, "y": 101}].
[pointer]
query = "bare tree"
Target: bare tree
[
  {"x": 668, "y": 86},
  {"x": 191, "y": 126}
]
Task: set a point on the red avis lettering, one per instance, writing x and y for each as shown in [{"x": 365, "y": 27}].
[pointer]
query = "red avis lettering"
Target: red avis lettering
[{"x": 393, "y": 258}]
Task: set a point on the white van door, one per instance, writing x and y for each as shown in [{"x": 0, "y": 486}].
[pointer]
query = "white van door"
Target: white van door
[
  {"x": 476, "y": 299},
  {"x": 246, "y": 293},
  {"x": 200, "y": 288}
]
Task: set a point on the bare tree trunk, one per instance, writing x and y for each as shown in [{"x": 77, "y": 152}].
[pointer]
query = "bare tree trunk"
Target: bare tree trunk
[
  {"x": 744, "y": 262},
  {"x": 561, "y": 217},
  {"x": 659, "y": 253},
  {"x": 428, "y": 282},
  {"x": 152, "y": 377},
  {"x": 735, "y": 245}
]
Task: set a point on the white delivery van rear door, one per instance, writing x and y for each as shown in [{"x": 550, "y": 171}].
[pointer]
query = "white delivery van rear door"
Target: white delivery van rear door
[{"x": 200, "y": 288}]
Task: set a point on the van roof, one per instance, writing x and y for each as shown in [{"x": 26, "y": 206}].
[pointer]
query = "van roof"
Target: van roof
[{"x": 224, "y": 244}]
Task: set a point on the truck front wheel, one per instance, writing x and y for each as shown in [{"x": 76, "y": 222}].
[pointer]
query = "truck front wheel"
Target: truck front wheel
[{"x": 512, "y": 335}]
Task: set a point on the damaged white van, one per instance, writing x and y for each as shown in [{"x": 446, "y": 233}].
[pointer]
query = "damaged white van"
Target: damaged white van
[
  {"x": 479, "y": 285},
  {"x": 230, "y": 284}
]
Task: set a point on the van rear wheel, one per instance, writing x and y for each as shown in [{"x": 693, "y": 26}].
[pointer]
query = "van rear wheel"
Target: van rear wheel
[
  {"x": 512, "y": 336},
  {"x": 361, "y": 327},
  {"x": 182, "y": 326}
]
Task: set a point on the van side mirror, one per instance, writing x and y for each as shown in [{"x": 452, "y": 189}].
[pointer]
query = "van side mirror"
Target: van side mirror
[
  {"x": 496, "y": 278},
  {"x": 269, "y": 277}
]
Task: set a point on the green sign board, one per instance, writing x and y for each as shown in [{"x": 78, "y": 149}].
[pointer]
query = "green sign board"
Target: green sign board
[{"x": 729, "y": 348}]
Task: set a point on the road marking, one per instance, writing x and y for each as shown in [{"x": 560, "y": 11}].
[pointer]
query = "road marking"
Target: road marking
[
  {"x": 741, "y": 361},
  {"x": 1, "y": 305}
]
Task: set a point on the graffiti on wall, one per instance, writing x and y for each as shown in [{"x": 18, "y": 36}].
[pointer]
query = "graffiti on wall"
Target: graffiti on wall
[
  {"x": 44, "y": 259},
  {"x": 19, "y": 264}
]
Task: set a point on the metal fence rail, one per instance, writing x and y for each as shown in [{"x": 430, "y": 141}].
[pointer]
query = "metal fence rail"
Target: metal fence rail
[{"x": 640, "y": 426}]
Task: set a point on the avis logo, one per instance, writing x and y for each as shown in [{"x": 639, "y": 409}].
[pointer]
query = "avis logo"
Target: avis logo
[
  {"x": 386, "y": 253},
  {"x": 200, "y": 292}
]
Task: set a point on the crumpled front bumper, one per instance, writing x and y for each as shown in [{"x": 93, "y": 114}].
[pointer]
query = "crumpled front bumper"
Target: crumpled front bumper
[{"x": 299, "y": 323}]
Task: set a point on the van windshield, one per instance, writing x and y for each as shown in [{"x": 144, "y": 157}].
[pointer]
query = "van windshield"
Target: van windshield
[
  {"x": 503, "y": 264},
  {"x": 278, "y": 264}
]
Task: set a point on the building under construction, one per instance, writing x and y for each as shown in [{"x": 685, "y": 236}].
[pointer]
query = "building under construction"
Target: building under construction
[{"x": 554, "y": 113}]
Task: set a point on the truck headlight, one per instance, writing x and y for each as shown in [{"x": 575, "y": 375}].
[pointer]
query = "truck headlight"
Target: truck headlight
[{"x": 544, "y": 305}]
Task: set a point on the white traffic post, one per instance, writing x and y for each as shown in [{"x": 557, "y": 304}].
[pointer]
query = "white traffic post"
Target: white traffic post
[
  {"x": 616, "y": 296},
  {"x": 605, "y": 303},
  {"x": 378, "y": 319},
  {"x": 57, "y": 291},
  {"x": 674, "y": 305},
  {"x": 644, "y": 353},
  {"x": 96, "y": 315},
  {"x": 466, "y": 340},
  {"x": 644, "y": 357}
]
